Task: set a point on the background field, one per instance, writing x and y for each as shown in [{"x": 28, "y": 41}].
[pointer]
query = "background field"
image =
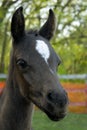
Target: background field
[{"x": 71, "y": 122}]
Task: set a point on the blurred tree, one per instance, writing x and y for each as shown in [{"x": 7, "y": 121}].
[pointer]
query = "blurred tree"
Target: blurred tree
[{"x": 70, "y": 40}]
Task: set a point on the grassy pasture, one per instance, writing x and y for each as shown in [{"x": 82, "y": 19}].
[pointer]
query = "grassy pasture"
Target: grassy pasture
[{"x": 72, "y": 121}]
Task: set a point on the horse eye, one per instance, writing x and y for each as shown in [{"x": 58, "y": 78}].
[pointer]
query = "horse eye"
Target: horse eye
[{"x": 21, "y": 63}]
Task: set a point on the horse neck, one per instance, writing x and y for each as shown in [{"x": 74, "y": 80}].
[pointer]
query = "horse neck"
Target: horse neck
[{"x": 15, "y": 111}]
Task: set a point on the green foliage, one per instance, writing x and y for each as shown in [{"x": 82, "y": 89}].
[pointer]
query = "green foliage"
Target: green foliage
[
  {"x": 70, "y": 41},
  {"x": 74, "y": 58}
]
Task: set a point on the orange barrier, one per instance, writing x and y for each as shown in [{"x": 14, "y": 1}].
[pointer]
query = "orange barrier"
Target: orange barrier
[
  {"x": 2, "y": 85},
  {"x": 77, "y": 94}
]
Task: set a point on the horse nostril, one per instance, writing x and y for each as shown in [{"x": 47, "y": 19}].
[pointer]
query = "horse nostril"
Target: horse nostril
[
  {"x": 51, "y": 97},
  {"x": 57, "y": 99}
]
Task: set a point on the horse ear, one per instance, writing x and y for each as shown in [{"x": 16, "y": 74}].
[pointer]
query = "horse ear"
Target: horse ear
[
  {"x": 48, "y": 29},
  {"x": 17, "y": 24}
]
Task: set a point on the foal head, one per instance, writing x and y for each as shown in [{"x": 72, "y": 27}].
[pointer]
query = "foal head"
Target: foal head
[{"x": 35, "y": 63}]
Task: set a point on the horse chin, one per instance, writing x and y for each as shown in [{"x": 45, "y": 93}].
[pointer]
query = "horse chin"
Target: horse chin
[
  {"x": 56, "y": 117},
  {"x": 55, "y": 113},
  {"x": 50, "y": 111}
]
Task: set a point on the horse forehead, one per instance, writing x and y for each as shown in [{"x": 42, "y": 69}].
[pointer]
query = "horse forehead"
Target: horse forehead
[{"x": 43, "y": 49}]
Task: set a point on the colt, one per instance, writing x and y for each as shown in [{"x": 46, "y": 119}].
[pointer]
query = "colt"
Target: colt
[{"x": 32, "y": 77}]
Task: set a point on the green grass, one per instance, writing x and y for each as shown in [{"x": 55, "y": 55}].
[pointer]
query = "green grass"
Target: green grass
[{"x": 72, "y": 121}]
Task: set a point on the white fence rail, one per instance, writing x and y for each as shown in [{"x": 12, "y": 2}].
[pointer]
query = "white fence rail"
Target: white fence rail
[
  {"x": 3, "y": 76},
  {"x": 73, "y": 76},
  {"x": 66, "y": 77}
]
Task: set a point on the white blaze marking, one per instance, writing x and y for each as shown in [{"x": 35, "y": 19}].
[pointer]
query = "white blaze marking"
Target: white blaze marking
[{"x": 43, "y": 49}]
